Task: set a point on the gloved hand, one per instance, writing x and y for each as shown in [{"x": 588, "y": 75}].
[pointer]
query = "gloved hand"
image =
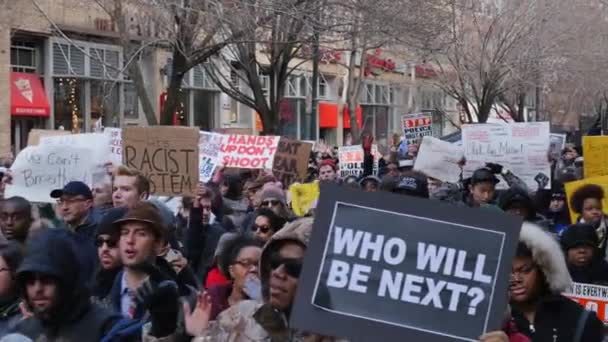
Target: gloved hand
[
  {"x": 495, "y": 168},
  {"x": 162, "y": 302}
]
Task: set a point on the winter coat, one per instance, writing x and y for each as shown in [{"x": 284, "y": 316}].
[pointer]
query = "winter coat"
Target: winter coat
[
  {"x": 52, "y": 253},
  {"x": 556, "y": 317},
  {"x": 601, "y": 228},
  {"x": 201, "y": 242},
  {"x": 9, "y": 315},
  {"x": 595, "y": 273}
]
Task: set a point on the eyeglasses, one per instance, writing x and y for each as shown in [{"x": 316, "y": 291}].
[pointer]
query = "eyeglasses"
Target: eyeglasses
[
  {"x": 269, "y": 203},
  {"x": 248, "y": 264},
  {"x": 262, "y": 229},
  {"x": 110, "y": 242},
  {"x": 69, "y": 201},
  {"x": 293, "y": 267}
]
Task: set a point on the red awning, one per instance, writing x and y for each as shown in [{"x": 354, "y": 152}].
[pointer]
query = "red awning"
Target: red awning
[
  {"x": 27, "y": 95},
  {"x": 328, "y": 116}
]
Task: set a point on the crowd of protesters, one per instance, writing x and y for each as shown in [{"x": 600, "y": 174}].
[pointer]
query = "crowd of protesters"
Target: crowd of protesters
[{"x": 114, "y": 263}]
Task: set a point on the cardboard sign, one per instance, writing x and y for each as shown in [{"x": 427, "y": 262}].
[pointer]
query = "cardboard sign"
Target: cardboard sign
[
  {"x": 571, "y": 187},
  {"x": 557, "y": 142},
  {"x": 249, "y": 151},
  {"x": 520, "y": 147},
  {"x": 115, "y": 136},
  {"x": 439, "y": 159},
  {"x": 595, "y": 151},
  {"x": 291, "y": 160},
  {"x": 33, "y": 137},
  {"x": 38, "y": 170},
  {"x": 416, "y": 126},
  {"x": 370, "y": 265},
  {"x": 303, "y": 197},
  {"x": 209, "y": 146},
  {"x": 591, "y": 297},
  {"x": 166, "y": 155},
  {"x": 351, "y": 160}
]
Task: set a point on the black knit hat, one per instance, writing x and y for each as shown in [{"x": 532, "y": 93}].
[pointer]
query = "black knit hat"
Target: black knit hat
[
  {"x": 580, "y": 234},
  {"x": 106, "y": 224}
]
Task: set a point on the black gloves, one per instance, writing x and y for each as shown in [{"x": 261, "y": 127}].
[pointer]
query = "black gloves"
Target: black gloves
[
  {"x": 160, "y": 296},
  {"x": 494, "y": 168}
]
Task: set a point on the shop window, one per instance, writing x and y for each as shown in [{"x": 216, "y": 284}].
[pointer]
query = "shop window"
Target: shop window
[
  {"x": 204, "y": 108},
  {"x": 104, "y": 104},
  {"x": 68, "y": 103},
  {"x": 24, "y": 57},
  {"x": 68, "y": 59},
  {"x": 131, "y": 110}
]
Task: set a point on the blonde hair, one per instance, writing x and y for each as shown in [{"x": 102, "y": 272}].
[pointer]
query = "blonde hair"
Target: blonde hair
[{"x": 142, "y": 184}]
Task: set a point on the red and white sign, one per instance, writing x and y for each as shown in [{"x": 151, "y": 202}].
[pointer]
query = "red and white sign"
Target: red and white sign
[
  {"x": 416, "y": 126},
  {"x": 248, "y": 151},
  {"x": 591, "y": 297},
  {"x": 27, "y": 95}
]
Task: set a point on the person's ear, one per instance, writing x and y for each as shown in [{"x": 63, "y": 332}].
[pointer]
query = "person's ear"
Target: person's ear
[
  {"x": 89, "y": 203},
  {"x": 231, "y": 271},
  {"x": 470, "y": 187}
]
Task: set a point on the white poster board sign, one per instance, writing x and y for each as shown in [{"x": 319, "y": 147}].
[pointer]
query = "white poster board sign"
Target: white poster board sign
[
  {"x": 439, "y": 159},
  {"x": 209, "y": 147},
  {"x": 38, "y": 170},
  {"x": 520, "y": 147},
  {"x": 115, "y": 136}
]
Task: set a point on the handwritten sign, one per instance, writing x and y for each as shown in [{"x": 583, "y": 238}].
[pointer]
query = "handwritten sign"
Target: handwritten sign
[
  {"x": 520, "y": 147},
  {"x": 303, "y": 197},
  {"x": 416, "y": 126},
  {"x": 166, "y": 155},
  {"x": 351, "y": 160},
  {"x": 115, "y": 135},
  {"x": 374, "y": 256},
  {"x": 439, "y": 159},
  {"x": 591, "y": 297},
  {"x": 38, "y": 170},
  {"x": 209, "y": 145},
  {"x": 249, "y": 151},
  {"x": 595, "y": 151},
  {"x": 571, "y": 187},
  {"x": 557, "y": 142},
  {"x": 33, "y": 137},
  {"x": 291, "y": 160}
]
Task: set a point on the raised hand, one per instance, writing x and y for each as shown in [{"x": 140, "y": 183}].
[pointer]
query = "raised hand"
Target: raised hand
[{"x": 197, "y": 320}]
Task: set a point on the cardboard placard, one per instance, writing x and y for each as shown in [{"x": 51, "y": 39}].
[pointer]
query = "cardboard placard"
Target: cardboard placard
[
  {"x": 370, "y": 265},
  {"x": 166, "y": 155},
  {"x": 33, "y": 137},
  {"x": 591, "y": 297},
  {"x": 209, "y": 146},
  {"x": 115, "y": 135},
  {"x": 416, "y": 126},
  {"x": 595, "y": 151},
  {"x": 520, "y": 147},
  {"x": 439, "y": 159},
  {"x": 290, "y": 163},
  {"x": 303, "y": 197},
  {"x": 249, "y": 151},
  {"x": 557, "y": 142},
  {"x": 571, "y": 187},
  {"x": 38, "y": 170}
]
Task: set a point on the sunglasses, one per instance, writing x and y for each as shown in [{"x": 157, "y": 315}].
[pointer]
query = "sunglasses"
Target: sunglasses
[
  {"x": 110, "y": 242},
  {"x": 293, "y": 267},
  {"x": 263, "y": 229},
  {"x": 270, "y": 203}
]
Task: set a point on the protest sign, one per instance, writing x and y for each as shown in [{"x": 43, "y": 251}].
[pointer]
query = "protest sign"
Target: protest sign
[
  {"x": 520, "y": 147},
  {"x": 351, "y": 160},
  {"x": 591, "y": 297},
  {"x": 416, "y": 126},
  {"x": 571, "y": 187},
  {"x": 209, "y": 145},
  {"x": 303, "y": 197},
  {"x": 248, "y": 151},
  {"x": 33, "y": 137},
  {"x": 291, "y": 160},
  {"x": 595, "y": 151},
  {"x": 557, "y": 142},
  {"x": 115, "y": 135},
  {"x": 439, "y": 159},
  {"x": 370, "y": 265},
  {"x": 38, "y": 170},
  {"x": 166, "y": 155}
]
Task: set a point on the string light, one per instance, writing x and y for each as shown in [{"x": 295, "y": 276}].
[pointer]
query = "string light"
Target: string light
[{"x": 73, "y": 105}]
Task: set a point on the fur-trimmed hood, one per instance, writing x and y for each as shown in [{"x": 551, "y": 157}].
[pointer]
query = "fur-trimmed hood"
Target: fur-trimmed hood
[{"x": 548, "y": 255}]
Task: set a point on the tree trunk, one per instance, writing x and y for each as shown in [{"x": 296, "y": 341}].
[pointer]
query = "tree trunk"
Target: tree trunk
[{"x": 175, "y": 84}]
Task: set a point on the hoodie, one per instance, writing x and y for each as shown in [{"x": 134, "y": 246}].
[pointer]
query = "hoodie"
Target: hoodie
[{"x": 557, "y": 317}]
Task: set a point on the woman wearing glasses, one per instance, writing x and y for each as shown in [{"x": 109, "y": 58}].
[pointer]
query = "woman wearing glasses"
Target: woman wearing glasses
[
  {"x": 10, "y": 258},
  {"x": 266, "y": 223}
]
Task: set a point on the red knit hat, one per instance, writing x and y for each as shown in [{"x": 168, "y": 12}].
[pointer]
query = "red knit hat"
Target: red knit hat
[{"x": 329, "y": 162}]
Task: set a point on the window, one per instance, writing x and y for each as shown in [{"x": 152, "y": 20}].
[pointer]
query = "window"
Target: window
[
  {"x": 131, "y": 109},
  {"x": 86, "y": 59},
  {"x": 68, "y": 60},
  {"x": 24, "y": 57},
  {"x": 104, "y": 63}
]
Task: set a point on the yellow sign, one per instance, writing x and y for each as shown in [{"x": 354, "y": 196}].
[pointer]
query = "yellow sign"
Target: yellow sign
[
  {"x": 572, "y": 186},
  {"x": 303, "y": 197},
  {"x": 595, "y": 151}
]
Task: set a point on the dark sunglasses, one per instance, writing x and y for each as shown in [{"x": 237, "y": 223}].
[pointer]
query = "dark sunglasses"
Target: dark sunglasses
[
  {"x": 263, "y": 229},
  {"x": 110, "y": 242},
  {"x": 293, "y": 267},
  {"x": 270, "y": 203}
]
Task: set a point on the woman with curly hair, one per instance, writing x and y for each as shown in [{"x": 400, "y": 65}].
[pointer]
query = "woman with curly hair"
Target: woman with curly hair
[{"x": 587, "y": 203}]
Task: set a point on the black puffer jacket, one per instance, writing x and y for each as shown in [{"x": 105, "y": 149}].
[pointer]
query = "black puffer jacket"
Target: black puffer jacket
[{"x": 52, "y": 253}]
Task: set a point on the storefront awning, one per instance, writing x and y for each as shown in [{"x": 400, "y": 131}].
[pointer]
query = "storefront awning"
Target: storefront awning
[
  {"x": 328, "y": 116},
  {"x": 27, "y": 95}
]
